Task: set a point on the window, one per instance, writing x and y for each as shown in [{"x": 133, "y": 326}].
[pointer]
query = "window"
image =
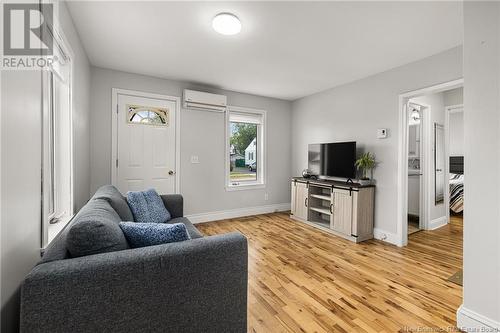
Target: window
[
  {"x": 245, "y": 148},
  {"x": 147, "y": 115},
  {"x": 57, "y": 146}
]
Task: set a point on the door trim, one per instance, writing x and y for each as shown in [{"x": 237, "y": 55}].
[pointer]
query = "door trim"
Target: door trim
[
  {"x": 458, "y": 108},
  {"x": 114, "y": 129}
]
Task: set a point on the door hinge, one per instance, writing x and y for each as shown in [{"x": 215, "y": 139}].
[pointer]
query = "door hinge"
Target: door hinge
[
  {"x": 117, "y": 163},
  {"x": 116, "y": 108}
]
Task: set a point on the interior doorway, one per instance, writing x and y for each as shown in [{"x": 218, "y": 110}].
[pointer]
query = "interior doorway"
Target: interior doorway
[
  {"x": 423, "y": 184},
  {"x": 454, "y": 137},
  {"x": 417, "y": 115}
]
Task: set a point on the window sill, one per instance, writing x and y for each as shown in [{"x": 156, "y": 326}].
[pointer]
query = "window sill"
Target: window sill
[
  {"x": 244, "y": 187},
  {"x": 56, "y": 228}
]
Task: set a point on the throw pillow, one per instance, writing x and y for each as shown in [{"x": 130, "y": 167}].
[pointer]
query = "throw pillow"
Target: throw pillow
[
  {"x": 147, "y": 207},
  {"x": 148, "y": 234}
]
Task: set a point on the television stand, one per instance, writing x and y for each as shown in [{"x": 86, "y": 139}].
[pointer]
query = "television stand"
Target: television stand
[{"x": 345, "y": 209}]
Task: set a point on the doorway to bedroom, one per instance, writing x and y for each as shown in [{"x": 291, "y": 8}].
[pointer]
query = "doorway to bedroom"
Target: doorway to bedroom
[{"x": 454, "y": 129}]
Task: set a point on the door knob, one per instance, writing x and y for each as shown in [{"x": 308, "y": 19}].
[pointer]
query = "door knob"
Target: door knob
[{"x": 171, "y": 172}]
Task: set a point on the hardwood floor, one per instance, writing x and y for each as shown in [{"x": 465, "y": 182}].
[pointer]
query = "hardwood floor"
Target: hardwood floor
[
  {"x": 305, "y": 280},
  {"x": 413, "y": 228}
]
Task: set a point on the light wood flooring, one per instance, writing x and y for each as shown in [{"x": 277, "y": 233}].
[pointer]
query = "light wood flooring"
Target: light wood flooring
[
  {"x": 305, "y": 280},
  {"x": 413, "y": 228}
]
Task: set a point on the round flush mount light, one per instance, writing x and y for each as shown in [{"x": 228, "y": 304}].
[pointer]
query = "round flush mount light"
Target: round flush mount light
[{"x": 226, "y": 24}]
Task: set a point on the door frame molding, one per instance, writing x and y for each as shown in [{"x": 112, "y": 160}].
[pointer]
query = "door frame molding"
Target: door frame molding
[
  {"x": 402, "y": 181},
  {"x": 114, "y": 129},
  {"x": 458, "y": 108}
]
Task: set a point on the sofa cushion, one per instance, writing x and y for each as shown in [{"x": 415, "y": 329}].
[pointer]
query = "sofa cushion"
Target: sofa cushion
[
  {"x": 96, "y": 230},
  {"x": 116, "y": 200},
  {"x": 191, "y": 229},
  {"x": 148, "y": 234},
  {"x": 147, "y": 207}
]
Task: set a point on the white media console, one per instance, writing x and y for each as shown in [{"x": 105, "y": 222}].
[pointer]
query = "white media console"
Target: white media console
[{"x": 343, "y": 209}]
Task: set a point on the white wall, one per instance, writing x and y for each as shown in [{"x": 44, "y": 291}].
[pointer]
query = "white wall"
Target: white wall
[
  {"x": 453, "y": 96},
  {"x": 456, "y": 131},
  {"x": 81, "y": 112},
  {"x": 21, "y": 227},
  {"x": 481, "y": 303},
  {"x": 20, "y": 169},
  {"x": 354, "y": 111},
  {"x": 202, "y": 134}
]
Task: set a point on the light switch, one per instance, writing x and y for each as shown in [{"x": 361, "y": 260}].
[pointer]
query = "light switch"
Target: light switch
[
  {"x": 195, "y": 159},
  {"x": 381, "y": 133}
]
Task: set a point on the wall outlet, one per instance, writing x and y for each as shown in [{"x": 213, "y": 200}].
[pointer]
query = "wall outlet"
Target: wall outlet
[
  {"x": 381, "y": 133},
  {"x": 266, "y": 196},
  {"x": 195, "y": 159}
]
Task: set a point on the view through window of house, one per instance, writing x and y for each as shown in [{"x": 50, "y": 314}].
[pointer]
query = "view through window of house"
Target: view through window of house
[{"x": 243, "y": 152}]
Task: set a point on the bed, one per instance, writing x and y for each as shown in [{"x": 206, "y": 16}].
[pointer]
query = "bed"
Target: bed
[{"x": 457, "y": 184}]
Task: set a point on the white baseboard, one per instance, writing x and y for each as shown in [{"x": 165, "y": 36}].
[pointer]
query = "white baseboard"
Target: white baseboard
[
  {"x": 470, "y": 321},
  {"x": 386, "y": 236},
  {"x": 239, "y": 212},
  {"x": 437, "y": 223}
]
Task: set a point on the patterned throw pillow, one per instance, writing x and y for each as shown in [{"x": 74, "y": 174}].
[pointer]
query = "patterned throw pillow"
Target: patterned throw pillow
[
  {"x": 147, "y": 207},
  {"x": 148, "y": 234}
]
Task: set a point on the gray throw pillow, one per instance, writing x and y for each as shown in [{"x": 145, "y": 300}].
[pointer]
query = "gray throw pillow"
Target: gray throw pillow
[{"x": 95, "y": 231}]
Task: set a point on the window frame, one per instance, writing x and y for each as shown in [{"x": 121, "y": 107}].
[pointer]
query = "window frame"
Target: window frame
[
  {"x": 261, "y": 151},
  {"x": 50, "y": 76}
]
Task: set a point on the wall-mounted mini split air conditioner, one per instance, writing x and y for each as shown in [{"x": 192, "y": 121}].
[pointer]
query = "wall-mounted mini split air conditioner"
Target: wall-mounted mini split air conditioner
[{"x": 200, "y": 100}]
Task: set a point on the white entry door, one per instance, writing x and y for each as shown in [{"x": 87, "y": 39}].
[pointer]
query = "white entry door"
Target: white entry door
[{"x": 145, "y": 144}]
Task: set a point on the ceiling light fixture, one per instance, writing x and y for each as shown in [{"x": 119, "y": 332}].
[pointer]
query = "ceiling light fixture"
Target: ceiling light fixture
[{"x": 226, "y": 24}]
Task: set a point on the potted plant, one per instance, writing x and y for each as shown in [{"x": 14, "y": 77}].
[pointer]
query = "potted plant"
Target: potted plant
[{"x": 365, "y": 162}]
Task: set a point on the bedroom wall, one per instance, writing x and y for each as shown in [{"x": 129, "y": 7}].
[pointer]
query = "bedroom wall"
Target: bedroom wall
[
  {"x": 202, "y": 134},
  {"x": 481, "y": 301},
  {"x": 20, "y": 168},
  {"x": 354, "y": 111}
]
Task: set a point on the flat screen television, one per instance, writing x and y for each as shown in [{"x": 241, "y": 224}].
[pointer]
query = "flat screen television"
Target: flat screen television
[{"x": 333, "y": 159}]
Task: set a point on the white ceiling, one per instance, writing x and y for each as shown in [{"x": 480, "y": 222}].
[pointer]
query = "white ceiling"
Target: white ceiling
[{"x": 285, "y": 49}]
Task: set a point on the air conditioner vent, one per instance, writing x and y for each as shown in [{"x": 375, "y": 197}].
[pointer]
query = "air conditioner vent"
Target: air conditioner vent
[{"x": 199, "y": 100}]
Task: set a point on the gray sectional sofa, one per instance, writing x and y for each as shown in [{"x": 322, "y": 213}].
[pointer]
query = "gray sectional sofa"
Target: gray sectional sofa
[{"x": 199, "y": 285}]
